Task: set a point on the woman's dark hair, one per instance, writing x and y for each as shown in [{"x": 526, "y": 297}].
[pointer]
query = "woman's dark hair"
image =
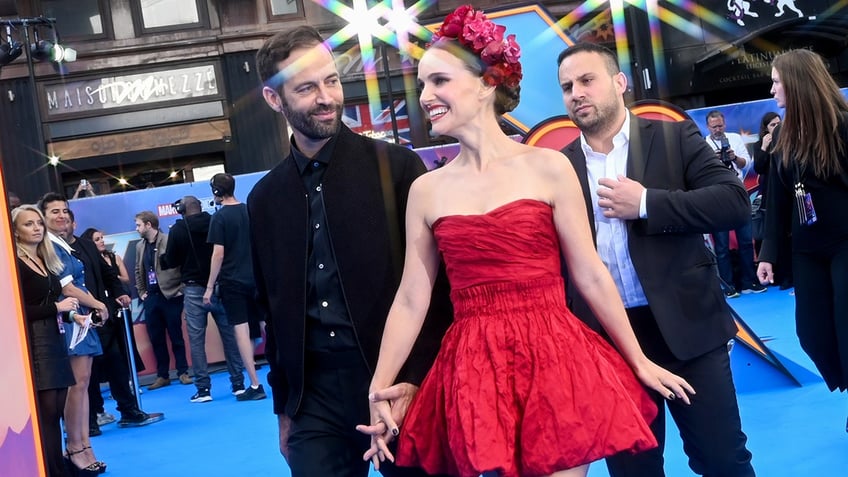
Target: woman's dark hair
[
  {"x": 767, "y": 118},
  {"x": 89, "y": 233}
]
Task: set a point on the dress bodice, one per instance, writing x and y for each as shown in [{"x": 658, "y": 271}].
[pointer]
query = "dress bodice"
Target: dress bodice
[{"x": 514, "y": 242}]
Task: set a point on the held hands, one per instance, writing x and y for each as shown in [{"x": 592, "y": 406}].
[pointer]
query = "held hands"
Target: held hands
[
  {"x": 669, "y": 385},
  {"x": 388, "y": 410},
  {"x": 765, "y": 273},
  {"x": 620, "y": 198}
]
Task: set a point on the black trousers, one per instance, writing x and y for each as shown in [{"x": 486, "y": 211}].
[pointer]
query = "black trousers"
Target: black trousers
[
  {"x": 50, "y": 405},
  {"x": 323, "y": 438},
  {"x": 163, "y": 315},
  {"x": 821, "y": 310},
  {"x": 710, "y": 427},
  {"x": 111, "y": 366}
]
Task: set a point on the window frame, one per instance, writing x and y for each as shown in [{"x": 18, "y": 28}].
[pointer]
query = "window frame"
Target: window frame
[
  {"x": 141, "y": 30},
  {"x": 105, "y": 19},
  {"x": 284, "y": 17}
]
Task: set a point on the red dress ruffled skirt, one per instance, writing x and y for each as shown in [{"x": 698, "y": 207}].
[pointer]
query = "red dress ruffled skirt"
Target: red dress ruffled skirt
[{"x": 520, "y": 386}]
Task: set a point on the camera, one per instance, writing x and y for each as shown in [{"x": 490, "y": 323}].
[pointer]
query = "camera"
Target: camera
[
  {"x": 96, "y": 318},
  {"x": 84, "y": 183},
  {"x": 724, "y": 152}
]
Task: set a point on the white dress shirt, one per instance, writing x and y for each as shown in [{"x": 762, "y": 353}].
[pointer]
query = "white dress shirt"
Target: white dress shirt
[{"x": 611, "y": 234}]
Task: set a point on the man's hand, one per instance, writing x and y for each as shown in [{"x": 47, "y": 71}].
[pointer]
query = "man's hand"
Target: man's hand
[
  {"x": 400, "y": 397},
  {"x": 102, "y": 310},
  {"x": 620, "y": 199},
  {"x": 284, "y": 423},
  {"x": 207, "y": 296},
  {"x": 124, "y": 300}
]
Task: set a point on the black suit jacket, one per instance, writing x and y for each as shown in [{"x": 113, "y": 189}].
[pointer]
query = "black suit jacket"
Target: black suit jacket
[
  {"x": 689, "y": 193},
  {"x": 356, "y": 216}
]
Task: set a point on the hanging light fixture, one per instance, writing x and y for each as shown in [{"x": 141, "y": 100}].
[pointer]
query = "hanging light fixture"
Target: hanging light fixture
[
  {"x": 10, "y": 50},
  {"x": 46, "y": 50}
]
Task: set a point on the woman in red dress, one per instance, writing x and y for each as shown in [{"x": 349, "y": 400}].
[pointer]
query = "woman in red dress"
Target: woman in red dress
[{"x": 520, "y": 387}]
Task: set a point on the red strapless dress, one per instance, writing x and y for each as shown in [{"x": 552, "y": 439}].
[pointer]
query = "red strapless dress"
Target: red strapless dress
[{"x": 520, "y": 385}]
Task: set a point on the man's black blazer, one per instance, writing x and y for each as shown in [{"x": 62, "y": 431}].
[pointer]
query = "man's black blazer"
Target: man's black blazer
[
  {"x": 689, "y": 193},
  {"x": 356, "y": 216}
]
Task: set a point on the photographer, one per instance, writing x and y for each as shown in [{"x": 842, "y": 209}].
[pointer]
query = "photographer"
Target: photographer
[
  {"x": 731, "y": 151},
  {"x": 188, "y": 249},
  {"x": 84, "y": 189}
]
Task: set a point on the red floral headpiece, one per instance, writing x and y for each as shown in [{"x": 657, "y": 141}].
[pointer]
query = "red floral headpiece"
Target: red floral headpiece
[{"x": 485, "y": 39}]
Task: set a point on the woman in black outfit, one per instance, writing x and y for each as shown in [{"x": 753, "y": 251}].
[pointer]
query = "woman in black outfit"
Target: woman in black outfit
[
  {"x": 763, "y": 156},
  {"x": 808, "y": 191},
  {"x": 38, "y": 267}
]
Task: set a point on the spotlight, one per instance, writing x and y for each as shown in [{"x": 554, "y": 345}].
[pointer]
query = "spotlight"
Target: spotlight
[
  {"x": 53, "y": 160},
  {"x": 44, "y": 50},
  {"x": 9, "y": 52}
]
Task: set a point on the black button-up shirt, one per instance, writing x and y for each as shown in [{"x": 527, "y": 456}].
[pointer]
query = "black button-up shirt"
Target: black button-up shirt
[{"x": 328, "y": 325}]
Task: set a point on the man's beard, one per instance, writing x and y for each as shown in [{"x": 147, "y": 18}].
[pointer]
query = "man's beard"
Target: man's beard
[
  {"x": 593, "y": 124},
  {"x": 309, "y": 126}
]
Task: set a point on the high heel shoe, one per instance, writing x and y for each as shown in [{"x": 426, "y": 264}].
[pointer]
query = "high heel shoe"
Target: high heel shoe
[
  {"x": 91, "y": 471},
  {"x": 99, "y": 463}
]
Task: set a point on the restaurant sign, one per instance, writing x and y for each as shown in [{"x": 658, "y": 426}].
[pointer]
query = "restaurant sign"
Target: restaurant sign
[{"x": 106, "y": 93}]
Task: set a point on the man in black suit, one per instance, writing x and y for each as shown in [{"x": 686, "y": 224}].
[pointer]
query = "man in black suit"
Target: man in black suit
[
  {"x": 652, "y": 189},
  {"x": 327, "y": 237}
]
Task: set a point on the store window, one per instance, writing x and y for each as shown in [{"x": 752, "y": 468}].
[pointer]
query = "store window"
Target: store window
[
  {"x": 80, "y": 19},
  {"x": 167, "y": 15},
  {"x": 282, "y": 9}
]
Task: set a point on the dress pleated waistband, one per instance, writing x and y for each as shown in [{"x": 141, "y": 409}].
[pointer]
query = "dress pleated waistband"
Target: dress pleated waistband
[{"x": 504, "y": 298}]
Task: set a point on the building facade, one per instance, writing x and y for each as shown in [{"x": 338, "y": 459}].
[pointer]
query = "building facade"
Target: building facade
[{"x": 164, "y": 90}]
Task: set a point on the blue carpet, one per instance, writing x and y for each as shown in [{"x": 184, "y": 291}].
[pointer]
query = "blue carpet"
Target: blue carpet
[{"x": 792, "y": 431}]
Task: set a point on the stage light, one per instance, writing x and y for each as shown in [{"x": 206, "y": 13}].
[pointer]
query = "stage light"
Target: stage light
[
  {"x": 43, "y": 50},
  {"x": 46, "y": 50},
  {"x": 9, "y": 52},
  {"x": 53, "y": 160},
  {"x": 122, "y": 181}
]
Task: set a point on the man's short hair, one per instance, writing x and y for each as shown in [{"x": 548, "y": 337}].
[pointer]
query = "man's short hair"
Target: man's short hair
[
  {"x": 50, "y": 197},
  {"x": 609, "y": 56},
  {"x": 715, "y": 113},
  {"x": 191, "y": 204},
  {"x": 279, "y": 47},
  {"x": 148, "y": 217},
  {"x": 223, "y": 184}
]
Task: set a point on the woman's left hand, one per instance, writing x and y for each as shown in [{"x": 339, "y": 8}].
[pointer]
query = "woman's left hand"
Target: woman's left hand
[
  {"x": 382, "y": 430},
  {"x": 669, "y": 385}
]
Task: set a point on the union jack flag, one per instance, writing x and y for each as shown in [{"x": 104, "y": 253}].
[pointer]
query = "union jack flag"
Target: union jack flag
[{"x": 358, "y": 118}]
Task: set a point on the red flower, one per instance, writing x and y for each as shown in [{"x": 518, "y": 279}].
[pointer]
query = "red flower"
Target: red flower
[
  {"x": 473, "y": 30},
  {"x": 452, "y": 26},
  {"x": 511, "y": 52}
]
